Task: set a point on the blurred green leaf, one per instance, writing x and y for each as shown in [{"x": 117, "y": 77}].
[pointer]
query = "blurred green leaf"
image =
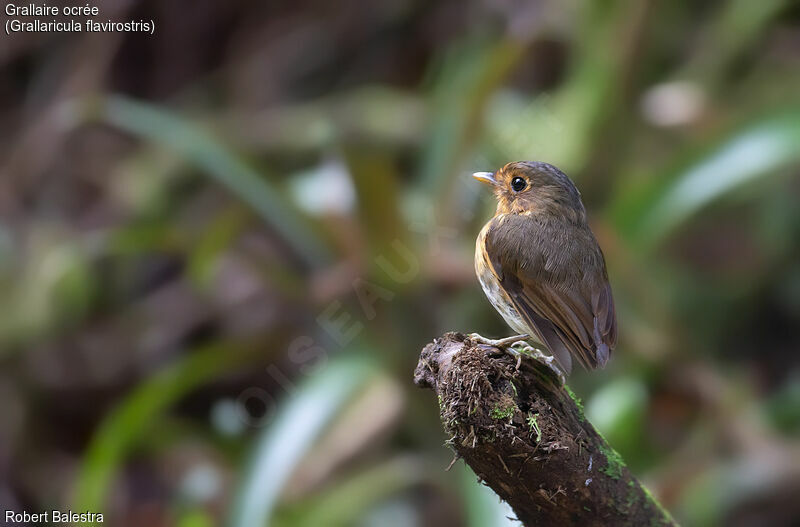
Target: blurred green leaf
[
  {"x": 617, "y": 410},
  {"x": 758, "y": 487},
  {"x": 6, "y": 246},
  {"x": 470, "y": 73},
  {"x": 302, "y": 418},
  {"x": 379, "y": 113},
  {"x": 783, "y": 407},
  {"x": 141, "y": 183},
  {"x": 165, "y": 128},
  {"x": 649, "y": 214},
  {"x": 731, "y": 32},
  {"x": 558, "y": 127},
  {"x": 218, "y": 236},
  {"x": 195, "y": 518},
  {"x": 138, "y": 412},
  {"x": 346, "y": 502},
  {"x": 54, "y": 290},
  {"x": 375, "y": 179}
]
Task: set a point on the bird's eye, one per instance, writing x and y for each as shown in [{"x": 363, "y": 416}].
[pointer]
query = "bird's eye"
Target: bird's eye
[{"x": 518, "y": 184}]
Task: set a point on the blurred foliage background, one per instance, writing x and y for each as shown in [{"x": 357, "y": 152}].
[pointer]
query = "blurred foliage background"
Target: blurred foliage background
[{"x": 223, "y": 246}]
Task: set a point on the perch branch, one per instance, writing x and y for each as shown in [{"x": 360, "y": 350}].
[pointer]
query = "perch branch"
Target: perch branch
[{"x": 524, "y": 434}]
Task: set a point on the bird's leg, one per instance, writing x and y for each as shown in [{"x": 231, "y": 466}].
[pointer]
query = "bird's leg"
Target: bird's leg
[{"x": 502, "y": 344}]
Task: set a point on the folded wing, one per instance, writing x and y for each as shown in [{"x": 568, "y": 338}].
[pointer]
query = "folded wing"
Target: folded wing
[{"x": 565, "y": 301}]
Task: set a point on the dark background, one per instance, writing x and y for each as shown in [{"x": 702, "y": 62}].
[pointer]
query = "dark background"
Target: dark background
[{"x": 223, "y": 245}]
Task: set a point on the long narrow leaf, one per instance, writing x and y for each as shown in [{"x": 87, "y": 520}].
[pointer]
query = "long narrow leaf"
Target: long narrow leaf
[
  {"x": 300, "y": 421},
  {"x": 165, "y": 128},
  {"x": 125, "y": 425},
  {"x": 758, "y": 151},
  {"x": 346, "y": 502}
]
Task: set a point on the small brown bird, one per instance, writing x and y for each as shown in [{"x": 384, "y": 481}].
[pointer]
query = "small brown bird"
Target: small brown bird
[{"x": 541, "y": 268}]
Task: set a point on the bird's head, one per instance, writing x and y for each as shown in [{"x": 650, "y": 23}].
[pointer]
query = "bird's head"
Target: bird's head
[{"x": 533, "y": 187}]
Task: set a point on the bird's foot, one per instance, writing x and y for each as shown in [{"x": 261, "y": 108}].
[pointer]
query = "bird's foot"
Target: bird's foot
[
  {"x": 508, "y": 345},
  {"x": 518, "y": 348}
]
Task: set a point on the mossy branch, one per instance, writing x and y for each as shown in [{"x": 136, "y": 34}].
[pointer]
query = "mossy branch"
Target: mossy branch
[{"x": 524, "y": 434}]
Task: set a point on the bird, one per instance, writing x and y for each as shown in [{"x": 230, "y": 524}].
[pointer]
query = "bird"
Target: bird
[{"x": 541, "y": 267}]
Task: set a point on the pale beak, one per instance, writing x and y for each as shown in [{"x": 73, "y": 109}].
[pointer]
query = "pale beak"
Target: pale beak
[{"x": 485, "y": 177}]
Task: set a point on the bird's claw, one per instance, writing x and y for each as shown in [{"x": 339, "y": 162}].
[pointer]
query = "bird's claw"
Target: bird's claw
[
  {"x": 537, "y": 354},
  {"x": 518, "y": 348}
]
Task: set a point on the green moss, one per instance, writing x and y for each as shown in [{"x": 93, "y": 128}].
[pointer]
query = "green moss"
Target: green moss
[
  {"x": 576, "y": 400},
  {"x": 630, "y": 500},
  {"x": 614, "y": 462},
  {"x": 451, "y": 425},
  {"x": 502, "y": 412},
  {"x": 533, "y": 425}
]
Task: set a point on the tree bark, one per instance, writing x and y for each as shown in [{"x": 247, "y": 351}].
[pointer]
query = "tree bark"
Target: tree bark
[{"x": 524, "y": 434}]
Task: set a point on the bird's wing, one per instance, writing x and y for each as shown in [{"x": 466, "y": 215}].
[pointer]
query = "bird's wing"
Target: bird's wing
[{"x": 568, "y": 305}]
